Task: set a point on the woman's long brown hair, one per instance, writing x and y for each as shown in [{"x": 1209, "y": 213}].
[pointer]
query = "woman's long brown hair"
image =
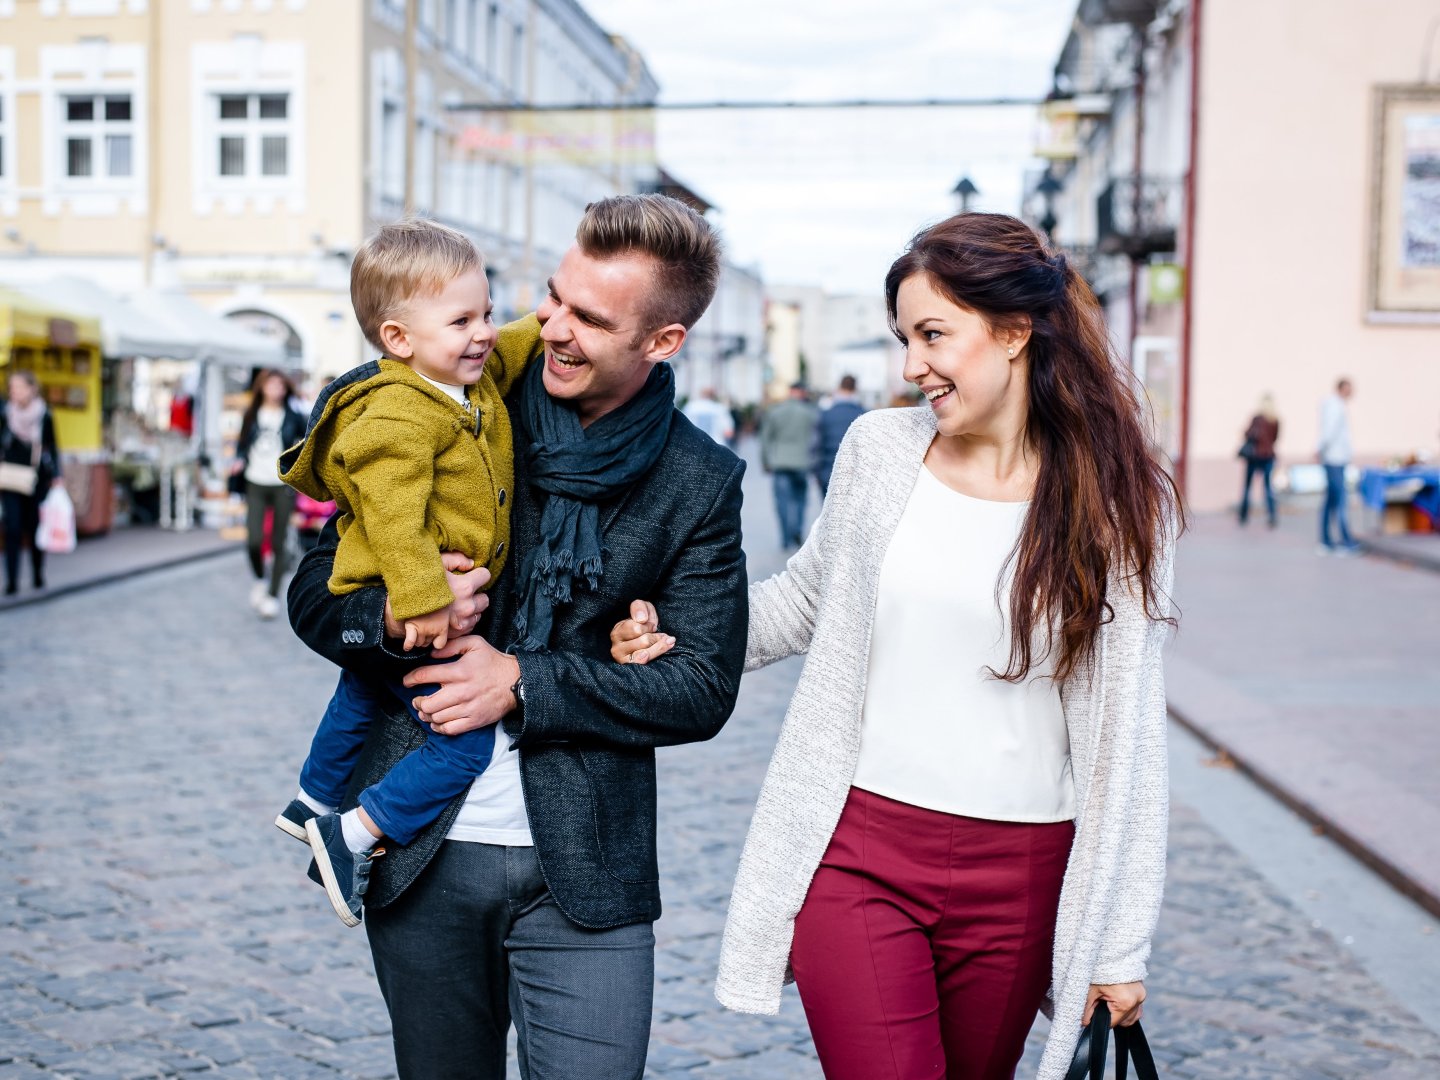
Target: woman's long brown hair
[
  {"x": 1102, "y": 499},
  {"x": 257, "y": 398}
]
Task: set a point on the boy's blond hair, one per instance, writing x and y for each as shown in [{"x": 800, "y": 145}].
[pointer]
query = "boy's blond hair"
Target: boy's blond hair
[{"x": 408, "y": 258}]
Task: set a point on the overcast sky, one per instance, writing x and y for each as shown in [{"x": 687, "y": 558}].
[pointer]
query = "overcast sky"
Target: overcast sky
[{"x": 830, "y": 197}]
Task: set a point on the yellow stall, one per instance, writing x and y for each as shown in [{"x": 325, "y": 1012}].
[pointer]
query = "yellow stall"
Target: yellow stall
[{"x": 62, "y": 348}]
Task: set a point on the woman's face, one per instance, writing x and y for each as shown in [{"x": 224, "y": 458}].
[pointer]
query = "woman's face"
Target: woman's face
[
  {"x": 970, "y": 377},
  {"x": 21, "y": 392},
  {"x": 273, "y": 390}
]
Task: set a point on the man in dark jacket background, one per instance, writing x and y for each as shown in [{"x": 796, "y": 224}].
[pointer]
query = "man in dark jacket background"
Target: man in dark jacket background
[
  {"x": 835, "y": 419},
  {"x": 532, "y": 897}
]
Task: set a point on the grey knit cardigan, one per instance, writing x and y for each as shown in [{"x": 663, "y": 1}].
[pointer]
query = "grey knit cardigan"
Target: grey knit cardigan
[{"x": 823, "y": 604}]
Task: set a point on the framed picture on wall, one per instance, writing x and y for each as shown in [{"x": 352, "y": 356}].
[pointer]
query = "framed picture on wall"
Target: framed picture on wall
[{"x": 1405, "y": 216}]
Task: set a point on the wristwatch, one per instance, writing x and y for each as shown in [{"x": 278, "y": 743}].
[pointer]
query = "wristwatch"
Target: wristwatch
[{"x": 519, "y": 690}]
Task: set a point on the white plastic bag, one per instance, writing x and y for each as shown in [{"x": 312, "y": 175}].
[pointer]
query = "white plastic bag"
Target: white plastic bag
[{"x": 57, "y": 523}]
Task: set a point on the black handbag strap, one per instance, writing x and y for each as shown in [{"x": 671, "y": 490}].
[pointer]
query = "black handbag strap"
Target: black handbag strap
[{"x": 1130, "y": 1042}]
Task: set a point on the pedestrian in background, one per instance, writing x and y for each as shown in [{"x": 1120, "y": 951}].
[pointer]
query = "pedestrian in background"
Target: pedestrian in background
[
  {"x": 787, "y": 432},
  {"x": 1258, "y": 451},
  {"x": 27, "y": 442},
  {"x": 835, "y": 419},
  {"x": 1335, "y": 452},
  {"x": 706, "y": 412},
  {"x": 271, "y": 424}
]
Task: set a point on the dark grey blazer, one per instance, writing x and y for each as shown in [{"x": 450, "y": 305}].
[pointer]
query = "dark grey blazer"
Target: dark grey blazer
[{"x": 589, "y": 728}]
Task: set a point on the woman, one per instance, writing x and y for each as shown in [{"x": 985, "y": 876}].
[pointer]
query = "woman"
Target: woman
[
  {"x": 967, "y": 805},
  {"x": 1259, "y": 454},
  {"x": 270, "y": 425},
  {"x": 27, "y": 438}
]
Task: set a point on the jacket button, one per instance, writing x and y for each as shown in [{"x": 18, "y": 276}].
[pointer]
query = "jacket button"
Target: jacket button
[
  {"x": 502, "y": 497},
  {"x": 500, "y": 549}
]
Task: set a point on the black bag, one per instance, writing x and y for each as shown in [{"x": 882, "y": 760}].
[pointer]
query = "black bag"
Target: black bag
[
  {"x": 1248, "y": 450},
  {"x": 236, "y": 484},
  {"x": 1089, "y": 1063}
]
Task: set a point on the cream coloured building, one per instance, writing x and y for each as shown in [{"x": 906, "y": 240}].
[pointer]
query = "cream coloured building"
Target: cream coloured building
[
  {"x": 240, "y": 150},
  {"x": 1289, "y": 226}
]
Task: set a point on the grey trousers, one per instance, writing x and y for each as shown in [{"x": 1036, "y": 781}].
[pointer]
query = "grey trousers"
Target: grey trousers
[
  {"x": 280, "y": 500},
  {"x": 476, "y": 942}
]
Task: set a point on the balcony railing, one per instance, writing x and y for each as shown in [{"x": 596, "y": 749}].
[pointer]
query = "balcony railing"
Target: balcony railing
[{"x": 1138, "y": 226}]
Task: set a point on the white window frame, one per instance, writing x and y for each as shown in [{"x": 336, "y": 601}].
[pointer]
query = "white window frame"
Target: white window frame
[
  {"x": 250, "y": 67},
  {"x": 97, "y": 131},
  {"x": 7, "y": 125},
  {"x": 253, "y": 129}
]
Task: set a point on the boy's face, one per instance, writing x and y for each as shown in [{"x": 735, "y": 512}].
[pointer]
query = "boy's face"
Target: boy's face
[{"x": 446, "y": 336}]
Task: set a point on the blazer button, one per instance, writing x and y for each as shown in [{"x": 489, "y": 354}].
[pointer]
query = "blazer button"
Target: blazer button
[{"x": 501, "y": 497}]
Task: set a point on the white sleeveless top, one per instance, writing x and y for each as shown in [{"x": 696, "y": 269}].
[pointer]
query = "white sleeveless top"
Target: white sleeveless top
[{"x": 938, "y": 731}]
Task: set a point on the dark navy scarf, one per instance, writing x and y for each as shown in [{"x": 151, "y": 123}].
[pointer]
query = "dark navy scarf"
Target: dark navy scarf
[{"x": 579, "y": 468}]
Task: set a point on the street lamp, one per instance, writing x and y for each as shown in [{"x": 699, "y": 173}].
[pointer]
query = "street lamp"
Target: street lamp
[
  {"x": 1049, "y": 187},
  {"x": 965, "y": 190}
]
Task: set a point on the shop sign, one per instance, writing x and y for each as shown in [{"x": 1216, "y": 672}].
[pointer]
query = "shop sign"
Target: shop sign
[
  {"x": 1165, "y": 283},
  {"x": 64, "y": 333}
]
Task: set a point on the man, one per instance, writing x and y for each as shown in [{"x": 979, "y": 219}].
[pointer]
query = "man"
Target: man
[
  {"x": 706, "y": 413},
  {"x": 1335, "y": 453},
  {"x": 532, "y": 897},
  {"x": 844, "y": 409},
  {"x": 787, "y": 431}
]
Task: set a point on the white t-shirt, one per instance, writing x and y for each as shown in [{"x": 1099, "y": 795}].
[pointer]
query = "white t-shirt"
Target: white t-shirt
[
  {"x": 938, "y": 731},
  {"x": 262, "y": 466},
  {"x": 494, "y": 810},
  {"x": 711, "y": 417}
]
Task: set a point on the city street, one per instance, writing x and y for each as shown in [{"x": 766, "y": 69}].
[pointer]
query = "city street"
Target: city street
[{"x": 154, "y": 923}]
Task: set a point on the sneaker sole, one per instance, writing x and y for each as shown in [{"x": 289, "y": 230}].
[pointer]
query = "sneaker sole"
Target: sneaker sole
[
  {"x": 289, "y": 828},
  {"x": 327, "y": 874}
]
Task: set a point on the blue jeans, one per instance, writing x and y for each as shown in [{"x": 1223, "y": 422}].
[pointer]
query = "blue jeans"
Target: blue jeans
[
  {"x": 791, "y": 488},
  {"x": 1263, "y": 466},
  {"x": 476, "y": 942},
  {"x": 1334, "y": 506},
  {"x": 413, "y": 793}
]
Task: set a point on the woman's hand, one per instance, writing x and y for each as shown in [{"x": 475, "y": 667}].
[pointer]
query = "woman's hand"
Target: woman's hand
[
  {"x": 637, "y": 640},
  {"x": 1124, "y": 999}
]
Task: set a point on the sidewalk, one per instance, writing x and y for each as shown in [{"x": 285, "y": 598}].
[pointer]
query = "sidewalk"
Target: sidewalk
[
  {"x": 1318, "y": 676},
  {"x": 118, "y": 554}
]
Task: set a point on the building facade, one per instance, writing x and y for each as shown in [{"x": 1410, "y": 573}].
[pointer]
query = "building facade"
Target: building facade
[
  {"x": 241, "y": 150},
  {"x": 1215, "y": 168}
]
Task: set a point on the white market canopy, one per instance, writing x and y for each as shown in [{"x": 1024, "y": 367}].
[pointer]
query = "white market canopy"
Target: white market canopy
[{"x": 160, "y": 324}]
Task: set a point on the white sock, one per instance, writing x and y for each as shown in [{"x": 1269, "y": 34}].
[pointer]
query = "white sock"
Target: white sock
[
  {"x": 313, "y": 803},
  {"x": 357, "y": 837}
]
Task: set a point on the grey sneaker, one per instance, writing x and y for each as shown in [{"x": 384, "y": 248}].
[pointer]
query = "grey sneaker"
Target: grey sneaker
[
  {"x": 344, "y": 874},
  {"x": 291, "y": 820}
]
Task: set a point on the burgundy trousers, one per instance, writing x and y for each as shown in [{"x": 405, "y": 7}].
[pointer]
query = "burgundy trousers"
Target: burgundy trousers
[{"x": 923, "y": 946}]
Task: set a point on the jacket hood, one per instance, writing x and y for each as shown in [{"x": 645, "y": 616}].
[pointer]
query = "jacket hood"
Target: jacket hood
[{"x": 298, "y": 465}]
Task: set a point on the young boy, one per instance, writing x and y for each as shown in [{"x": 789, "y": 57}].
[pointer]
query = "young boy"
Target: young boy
[{"x": 416, "y": 450}]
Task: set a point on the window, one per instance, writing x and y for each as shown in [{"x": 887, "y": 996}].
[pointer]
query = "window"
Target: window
[
  {"x": 2, "y": 138},
  {"x": 252, "y": 136},
  {"x": 392, "y": 150},
  {"x": 452, "y": 28},
  {"x": 492, "y": 40},
  {"x": 474, "y": 42},
  {"x": 98, "y": 136}
]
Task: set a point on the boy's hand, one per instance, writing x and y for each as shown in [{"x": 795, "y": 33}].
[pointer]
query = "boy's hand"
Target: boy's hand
[
  {"x": 637, "y": 640},
  {"x": 427, "y": 630},
  {"x": 467, "y": 584}
]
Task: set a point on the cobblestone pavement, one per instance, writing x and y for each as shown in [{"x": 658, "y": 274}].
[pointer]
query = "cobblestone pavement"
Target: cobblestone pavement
[{"x": 153, "y": 922}]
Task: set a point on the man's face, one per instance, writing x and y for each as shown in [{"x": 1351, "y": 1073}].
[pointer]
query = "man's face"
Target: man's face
[{"x": 598, "y": 348}]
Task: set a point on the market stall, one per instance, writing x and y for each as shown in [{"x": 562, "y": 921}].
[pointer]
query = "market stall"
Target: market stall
[
  {"x": 62, "y": 346},
  {"x": 168, "y": 364}
]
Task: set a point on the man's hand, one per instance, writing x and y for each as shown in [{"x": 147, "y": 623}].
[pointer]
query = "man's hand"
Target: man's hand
[
  {"x": 1124, "y": 999},
  {"x": 426, "y": 630},
  {"x": 474, "y": 690},
  {"x": 467, "y": 583},
  {"x": 637, "y": 640}
]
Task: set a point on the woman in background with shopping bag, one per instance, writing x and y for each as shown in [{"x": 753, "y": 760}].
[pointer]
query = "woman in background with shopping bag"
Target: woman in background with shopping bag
[
  {"x": 271, "y": 424},
  {"x": 29, "y": 468}
]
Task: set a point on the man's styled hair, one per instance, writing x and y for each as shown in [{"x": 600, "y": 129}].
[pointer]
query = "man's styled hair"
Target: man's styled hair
[
  {"x": 685, "y": 248},
  {"x": 847, "y": 383},
  {"x": 407, "y": 258}
]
